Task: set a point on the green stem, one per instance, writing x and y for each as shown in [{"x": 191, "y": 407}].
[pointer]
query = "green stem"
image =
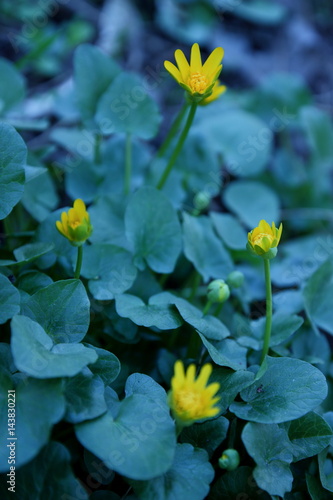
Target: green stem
[
  {"x": 97, "y": 149},
  {"x": 173, "y": 131},
  {"x": 78, "y": 262},
  {"x": 178, "y": 146},
  {"x": 207, "y": 307},
  {"x": 269, "y": 309},
  {"x": 128, "y": 164},
  {"x": 218, "y": 309},
  {"x": 195, "y": 285}
]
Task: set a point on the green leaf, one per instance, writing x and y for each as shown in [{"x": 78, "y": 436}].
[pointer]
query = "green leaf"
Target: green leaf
[
  {"x": 153, "y": 229},
  {"x": 319, "y": 132},
  {"x": 9, "y": 299},
  {"x": 13, "y": 156},
  {"x": 33, "y": 421},
  {"x": 160, "y": 315},
  {"x": 62, "y": 309},
  {"x": 84, "y": 395},
  {"x": 31, "y": 251},
  {"x": 93, "y": 73},
  {"x": 231, "y": 383},
  {"x": 139, "y": 442},
  {"x": 256, "y": 11},
  {"x": 252, "y": 201},
  {"x": 40, "y": 196},
  {"x": 317, "y": 294},
  {"x": 189, "y": 477},
  {"x": 208, "y": 435},
  {"x": 229, "y": 230},
  {"x": 204, "y": 249},
  {"x": 309, "y": 435},
  {"x": 126, "y": 107},
  {"x": 283, "y": 326},
  {"x": 192, "y": 163},
  {"x": 107, "y": 365},
  {"x": 49, "y": 476},
  {"x": 12, "y": 86},
  {"x": 226, "y": 352},
  {"x": 244, "y": 140},
  {"x": 109, "y": 269},
  {"x": 62, "y": 250},
  {"x": 139, "y": 383},
  {"x": 269, "y": 446},
  {"x": 326, "y": 469},
  {"x": 32, "y": 281},
  {"x": 34, "y": 352},
  {"x": 289, "y": 389},
  {"x": 236, "y": 484},
  {"x": 316, "y": 491}
]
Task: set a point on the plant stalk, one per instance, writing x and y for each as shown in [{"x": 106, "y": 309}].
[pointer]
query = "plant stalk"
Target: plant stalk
[
  {"x": 78, "y": 262},
  {"x": 178, "y": 146},
  {"x": 269, "y": 309}
]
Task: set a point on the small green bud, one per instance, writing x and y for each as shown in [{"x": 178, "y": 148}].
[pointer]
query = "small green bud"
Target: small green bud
[
  {"x": 218, "y": 291},
  {"x": 201, "y": 200},
  {"x": 229, "y": 459},
  {"x": 235, "y": 279}
]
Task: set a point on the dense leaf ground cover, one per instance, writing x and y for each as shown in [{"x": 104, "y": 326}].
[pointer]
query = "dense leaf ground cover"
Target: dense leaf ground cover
[{"x": 160, "y": 366}]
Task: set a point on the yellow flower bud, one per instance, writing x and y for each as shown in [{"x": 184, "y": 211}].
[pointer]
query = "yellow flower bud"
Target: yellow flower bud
[
  {"x": 264, "y": 239},
  {"x": 75, "y": 224}
]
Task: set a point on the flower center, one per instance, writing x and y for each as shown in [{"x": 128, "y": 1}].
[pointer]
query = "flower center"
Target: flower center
[
  {"x": 74, "y": 224},
  {"x": 258, "y": 239},
  {"x": 198, "y": 83},
  {"x": 189, "y": 402}
]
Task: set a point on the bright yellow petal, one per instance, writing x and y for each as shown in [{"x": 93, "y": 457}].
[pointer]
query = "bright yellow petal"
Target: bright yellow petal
[
  {"x": 64, "y": 218},
  {"x": 80, "y": 208},
  {"x": 213, "y": 61},
  {"x": 204, "y": 375},
  {"x": 212, "y": 389},
  {"x": 211, "y": 412},
  {"x": 265, "y": 227},
  {"x": 190, "y": 374},
  {"x": 72, "y": 215},
  {"x": 183, "y": 65},
  {"x": 279, "y": 233},
  {"x": 173, "y": 70},
  {"x": 60, "y": 227},
  {"x": 196, "y": 65},
  {"x": 179, "y": 370}
]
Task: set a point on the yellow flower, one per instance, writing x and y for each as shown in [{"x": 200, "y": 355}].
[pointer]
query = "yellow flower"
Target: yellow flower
[
  {"x": 218, "y": 89},
  {"x": 192, "y": 399},
  {"x": 196, "y": 78},
  {"x": 75, "y": 224},
  {"x": 264, "y": 239}
]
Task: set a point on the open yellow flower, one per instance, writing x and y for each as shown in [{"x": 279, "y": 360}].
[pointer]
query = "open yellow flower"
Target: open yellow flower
[
  {"x": 218, "y": 89},
  {"x": 192, "y": 399},
  {"x": 263, "y": 239},
  {"x": 196, "y": 78},
  {"x": 75, "y": 224}
]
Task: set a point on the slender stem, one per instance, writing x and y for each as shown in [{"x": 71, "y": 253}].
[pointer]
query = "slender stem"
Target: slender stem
[
  {"x": 173, "y": 130},
  {"x": 218, "y": 309},
  {"x": 195, "y": 284},
  {"x": 178, "y": 146},
  {"x": 207, "y": 307},
  {"x": 269, "y": 309},
  {"x": 78, "y": 262},
  {"x": 97, "y": 148},
  {"x": 128, "y": 164}
]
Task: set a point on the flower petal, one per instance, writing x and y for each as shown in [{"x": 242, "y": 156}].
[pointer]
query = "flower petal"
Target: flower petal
[
  {"x": 60, "y": 227},
  {"x": 204, "y": 375},
  {"x": 196, "y": 64},
  {"x": 80, "y": 208},
  {"x": 183, "y": 65},
  {"x": 213, "y": 61},
  {"x": 173, "y": 70}
]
